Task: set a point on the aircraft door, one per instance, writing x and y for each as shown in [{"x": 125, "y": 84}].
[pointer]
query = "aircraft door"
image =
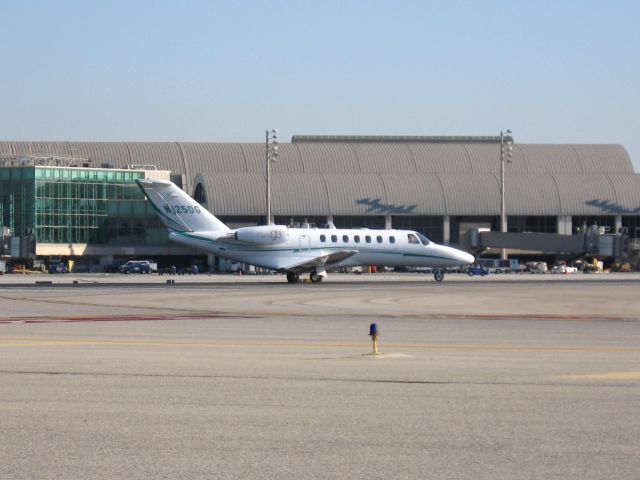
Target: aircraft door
[{"x": 305, "y": 242}]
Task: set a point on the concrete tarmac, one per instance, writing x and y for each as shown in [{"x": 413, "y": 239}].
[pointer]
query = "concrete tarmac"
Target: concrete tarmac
[{"x": 505, "y": 377}]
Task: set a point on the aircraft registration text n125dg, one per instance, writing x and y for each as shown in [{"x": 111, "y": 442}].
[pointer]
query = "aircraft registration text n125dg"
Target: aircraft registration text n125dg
[{"x": 181, "y": 209}]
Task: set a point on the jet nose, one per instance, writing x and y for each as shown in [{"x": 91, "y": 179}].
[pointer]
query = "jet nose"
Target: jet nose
[
  {"x": 466, "y": 258},
  {"x": 459, "y": 257}
]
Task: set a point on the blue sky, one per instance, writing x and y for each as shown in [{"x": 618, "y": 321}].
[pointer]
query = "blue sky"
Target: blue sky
[{"x": 553, "y": 72}]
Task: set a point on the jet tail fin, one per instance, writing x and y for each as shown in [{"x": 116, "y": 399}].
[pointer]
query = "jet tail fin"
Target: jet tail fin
[{"x": 177, "y": 210}]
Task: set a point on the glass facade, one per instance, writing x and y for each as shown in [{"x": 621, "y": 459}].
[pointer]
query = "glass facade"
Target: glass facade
[
  {"x": 537, "y": 224},
  {"x": 632, "y": 224},
  {"x": 237, "y": 221},
  {"x": 78, "y": 205},
  {"x": 578, "y": 223},
  {"x": 17, "y": 198},
  {"x": 431, "y": 226},
  {"x": 298, "y": 221},
  {"x": 358, "y": 221}
]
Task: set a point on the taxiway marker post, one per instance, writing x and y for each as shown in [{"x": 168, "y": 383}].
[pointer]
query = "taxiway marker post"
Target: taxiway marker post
[{"x": 373, "y": 333}]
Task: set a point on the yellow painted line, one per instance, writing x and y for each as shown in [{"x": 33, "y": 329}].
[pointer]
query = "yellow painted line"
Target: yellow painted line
[
  {"x": 513, "y": 348},
  {"x": 605, "y": 376},
  {"x": 19, "y": 341}
]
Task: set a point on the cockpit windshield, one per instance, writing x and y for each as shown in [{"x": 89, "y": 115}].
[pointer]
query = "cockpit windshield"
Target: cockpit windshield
[
  {"x": 423, "y": 239},
  {"x": 413, "y": 238}
]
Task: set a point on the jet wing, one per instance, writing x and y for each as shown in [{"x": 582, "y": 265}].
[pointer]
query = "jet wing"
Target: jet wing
[{"x": 293, "y": 263}]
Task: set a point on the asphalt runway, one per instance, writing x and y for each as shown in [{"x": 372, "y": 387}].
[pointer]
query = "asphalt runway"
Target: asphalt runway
[{"x": 506, "y": 377}]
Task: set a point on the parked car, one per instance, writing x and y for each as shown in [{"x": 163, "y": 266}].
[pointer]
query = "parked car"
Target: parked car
[
  {"x": 58, "y": 268},
  {"x": 477, "y": 270},
  {"x": 537, "y": 267},
  {"x": 564, "y": 269},
  {"x": 136, "y": 266},
  {"x": 495, "y": 265},
  {"x": 153, "y": 265}
]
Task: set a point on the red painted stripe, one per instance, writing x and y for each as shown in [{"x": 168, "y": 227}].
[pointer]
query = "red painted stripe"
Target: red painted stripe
[{"x": 116, "y": 318}]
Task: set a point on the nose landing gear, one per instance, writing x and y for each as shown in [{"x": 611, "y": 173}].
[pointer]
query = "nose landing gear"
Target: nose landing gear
[
  {"x": 438, "y": 275},
  {"x": 315, "y": 277}
]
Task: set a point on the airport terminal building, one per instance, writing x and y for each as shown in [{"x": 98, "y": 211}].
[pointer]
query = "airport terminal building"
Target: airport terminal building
[{"x": 79, "y": 199}]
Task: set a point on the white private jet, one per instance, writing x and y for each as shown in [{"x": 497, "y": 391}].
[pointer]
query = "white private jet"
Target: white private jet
[{"x": 295, "y": 250}]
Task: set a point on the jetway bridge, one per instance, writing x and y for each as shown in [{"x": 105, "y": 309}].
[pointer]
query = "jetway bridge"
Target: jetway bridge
[{"x": 592, "y": 242}]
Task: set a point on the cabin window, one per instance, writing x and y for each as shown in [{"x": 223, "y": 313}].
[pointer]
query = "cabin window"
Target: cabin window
[
  {"x": 367, "y": 239},
  {"x": 334, "y": 238},
  {"x": 413, "y": 239},
  {"x": 392, "y": 239},
  {"x": 379, "y": 238},
  {"x": 356, "y": 239},
  {"x": 345, "y": 238},
  {"x": 323, "y": 238}
]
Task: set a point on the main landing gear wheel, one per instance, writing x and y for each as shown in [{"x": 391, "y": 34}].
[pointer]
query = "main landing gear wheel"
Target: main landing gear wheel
[
  {"x": 293, "y": 277},
  {"x": 438, "y": 275},
  {"x": 315, "y": 278}
]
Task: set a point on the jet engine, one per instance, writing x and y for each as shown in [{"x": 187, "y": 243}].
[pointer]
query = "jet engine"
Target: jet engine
[{"x": 262, "y": 235}]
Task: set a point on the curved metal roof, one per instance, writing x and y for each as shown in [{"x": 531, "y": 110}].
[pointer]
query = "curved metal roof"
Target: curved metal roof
[
  {"x": 234, "y": 193},
  {"x": 375, "y": 178},
  {"x": 532, "y": 194},
  {"x": 410, "y": 194},
  {"x": 321, "y": 158},
  {"x": 297, "y": 194},
  {"x": 440, "y": 158},
  {"x": 384, "y": 158}
]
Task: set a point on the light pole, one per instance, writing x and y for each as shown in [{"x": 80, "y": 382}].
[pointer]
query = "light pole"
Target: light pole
[
  {"x": 271, "y": 141},
  {"x": 506, "y": 155}
]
